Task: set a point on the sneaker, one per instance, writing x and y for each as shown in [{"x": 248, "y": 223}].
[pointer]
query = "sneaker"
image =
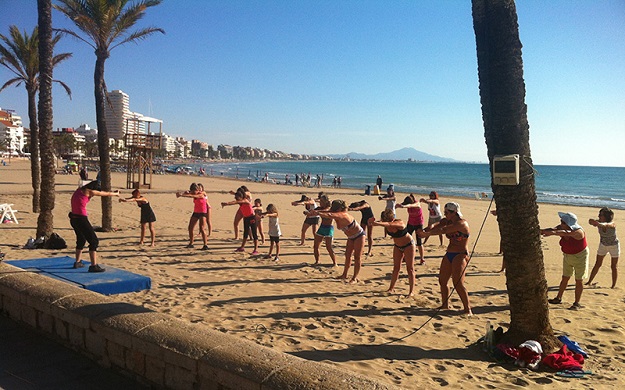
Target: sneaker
[
  {"x": 240, "y": 249},
  {"x": 555, "y": 301},
  {"x": 96, "y": 268},
  {"x": 254, "y": 253},
  {"x": 422, "y": 262},
  {"x": 576, "y": 306},
  {"x": 276, "y": 259},
  {"x": 205, "y": 248},
  {"x": 78, "y": 264},
  {"x": 189, "y": 246}
]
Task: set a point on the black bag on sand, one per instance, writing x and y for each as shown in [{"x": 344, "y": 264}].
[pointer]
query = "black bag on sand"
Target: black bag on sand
[{"x": 55, "y": 242}]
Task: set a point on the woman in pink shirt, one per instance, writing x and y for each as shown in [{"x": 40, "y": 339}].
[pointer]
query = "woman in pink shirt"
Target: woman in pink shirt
[
  {"x": 415, "y": 221},
  {"x": 81, "y": 225},
  {"x": 200, "y": 213},
  {"x": 249, "y": 219}
]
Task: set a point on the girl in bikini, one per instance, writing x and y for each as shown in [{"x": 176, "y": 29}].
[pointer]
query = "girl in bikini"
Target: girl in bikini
[
  {"x": 455, "y": 260},
  {"x": 404, "y": 249},
  {"x": 311, "y": 220},
  {"x": 325, "y": 232},
  {"x": 366, "y": 214},
  {"x": 355, "y": 236}
]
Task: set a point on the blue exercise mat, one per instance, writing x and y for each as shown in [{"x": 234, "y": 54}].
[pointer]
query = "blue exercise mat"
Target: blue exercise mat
[{"x": 113, "y": 281}]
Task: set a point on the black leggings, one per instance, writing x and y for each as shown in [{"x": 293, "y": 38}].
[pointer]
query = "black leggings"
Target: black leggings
[
  {"x": 84, "y": 233},
  {"x": 249, "y": 225},
  {"x": 411, "y": 229}
]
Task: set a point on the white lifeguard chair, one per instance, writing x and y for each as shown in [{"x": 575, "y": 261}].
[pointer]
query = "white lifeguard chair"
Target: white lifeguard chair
[{"x": 8, "y": 214}]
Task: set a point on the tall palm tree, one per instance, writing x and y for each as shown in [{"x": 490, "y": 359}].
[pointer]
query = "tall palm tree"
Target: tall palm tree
[
  {"x": 106, "y": 23},
  {"x": 20, "y": 54},
  {"x": 45, "y": 222},
  {"x": 506, "y": 129}
]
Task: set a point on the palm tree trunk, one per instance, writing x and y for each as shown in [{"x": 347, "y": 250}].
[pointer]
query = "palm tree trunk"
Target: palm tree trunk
[
  {"x": 502, "y": 92},
  {"x": 45, "y": 222},
  {"x": 103, "y": 141},
  {"x": 35, "y": 169}
]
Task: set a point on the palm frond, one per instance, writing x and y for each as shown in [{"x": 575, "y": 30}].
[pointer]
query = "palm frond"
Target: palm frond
[
  {"x": 66, "y": 87},
  {"x": 14, "y": 80},
  {"x": 139, "y": 35}
]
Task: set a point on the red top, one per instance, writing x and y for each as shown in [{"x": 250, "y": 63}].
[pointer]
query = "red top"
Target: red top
[
  {"x": 415, "y": 216},
  {"x": 246, "y": 209},
  {"x": 571, "y": 246}
]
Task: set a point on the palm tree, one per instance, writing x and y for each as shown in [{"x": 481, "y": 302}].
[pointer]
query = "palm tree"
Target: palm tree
[
  {"x": 506, "y": 129},
  {"x": 19, "y": 53},
  {"x": 45, "y": 222},
  {"x": 106, "y": 23}
]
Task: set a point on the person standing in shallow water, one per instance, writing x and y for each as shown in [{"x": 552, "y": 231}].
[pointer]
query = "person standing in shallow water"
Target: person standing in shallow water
[
  {"x": 455, "y": 260},
  {"x": 575, "y": 255},
  {"x": 81, "y": 225}
]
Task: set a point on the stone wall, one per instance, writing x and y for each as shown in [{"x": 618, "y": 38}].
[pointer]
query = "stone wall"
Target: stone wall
[{"x": 157, "y": 349}]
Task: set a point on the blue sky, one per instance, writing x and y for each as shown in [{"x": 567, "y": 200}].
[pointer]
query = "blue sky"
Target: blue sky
[{"x": 327, "y": 76}]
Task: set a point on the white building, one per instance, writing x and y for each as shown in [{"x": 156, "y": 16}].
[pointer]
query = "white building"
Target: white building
[
  {"x": 91, "y": 135},
  {"x": 11, "y": 133},
  {"x": 116, "y": 111}
]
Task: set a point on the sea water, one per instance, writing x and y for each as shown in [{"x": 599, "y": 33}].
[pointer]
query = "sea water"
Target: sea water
[{"x": 567, "y": 185}]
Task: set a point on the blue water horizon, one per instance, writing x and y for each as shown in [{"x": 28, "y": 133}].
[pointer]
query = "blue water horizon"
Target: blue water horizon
[{"x": 555, "y": 184}]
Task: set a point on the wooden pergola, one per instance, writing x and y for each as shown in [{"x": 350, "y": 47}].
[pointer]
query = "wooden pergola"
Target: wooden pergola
[{"x": 141, "y": 146}]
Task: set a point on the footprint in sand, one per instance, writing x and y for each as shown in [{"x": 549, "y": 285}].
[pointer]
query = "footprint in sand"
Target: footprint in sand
[{"x": 381, "y": 330}]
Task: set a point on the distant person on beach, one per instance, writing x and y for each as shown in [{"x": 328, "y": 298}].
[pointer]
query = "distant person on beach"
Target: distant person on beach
[
  {"x": 503, "y": 261},
  {"x": 249, "y": 219},
  {"x": 274, "y": 231},
  {"x": 355, "y": 236},
  {"x": 403, "y": 250},
  {"x": 608, "y": 243},
  {"x": 258, "y": 212},
  {"x": 296, "y": 179},
  {"x": 200, "y": 213},
  {"x": 339, "y": 181},
  {"x": 82, "y": 227},
  {"x": 575, "y": 255},
  {"x": 147, "y": 215},
  {"x": 378, "y": 182},
  {"x": 83, "y": 173},
  {"x": 325, "y": 233},
  {"x": 415, "y": 221},
  {"x": 238, "y": 216},
  {"x": 366, "y": 213},
  {"x": 434, "y": 211},
  {"x": 309, "y": 221},
  {"x": 455, "y": 260}
]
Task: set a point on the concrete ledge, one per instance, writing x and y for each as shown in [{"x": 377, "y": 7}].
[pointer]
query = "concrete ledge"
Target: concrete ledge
[{"x": 158, "y": 349}]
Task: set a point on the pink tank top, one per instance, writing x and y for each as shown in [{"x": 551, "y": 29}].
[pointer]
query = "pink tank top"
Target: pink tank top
[
  {"x": 79, "y": 203},
  {"x": 200, "y": 205},
  {"x": 415, "y": 216}
]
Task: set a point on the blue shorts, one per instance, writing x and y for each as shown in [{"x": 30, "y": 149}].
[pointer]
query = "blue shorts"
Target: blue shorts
[{"x": 325, "y": 231}]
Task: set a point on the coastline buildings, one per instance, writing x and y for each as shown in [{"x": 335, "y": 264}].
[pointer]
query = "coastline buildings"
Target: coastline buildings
[{"x": 12, "y": 136}]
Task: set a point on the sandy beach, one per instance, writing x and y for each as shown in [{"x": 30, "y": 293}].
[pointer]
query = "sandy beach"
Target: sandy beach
[{"x": 300, "y": 309}]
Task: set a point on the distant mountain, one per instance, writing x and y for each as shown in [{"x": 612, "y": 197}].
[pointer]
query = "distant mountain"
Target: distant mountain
[{"x": 401, "y": 154}]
